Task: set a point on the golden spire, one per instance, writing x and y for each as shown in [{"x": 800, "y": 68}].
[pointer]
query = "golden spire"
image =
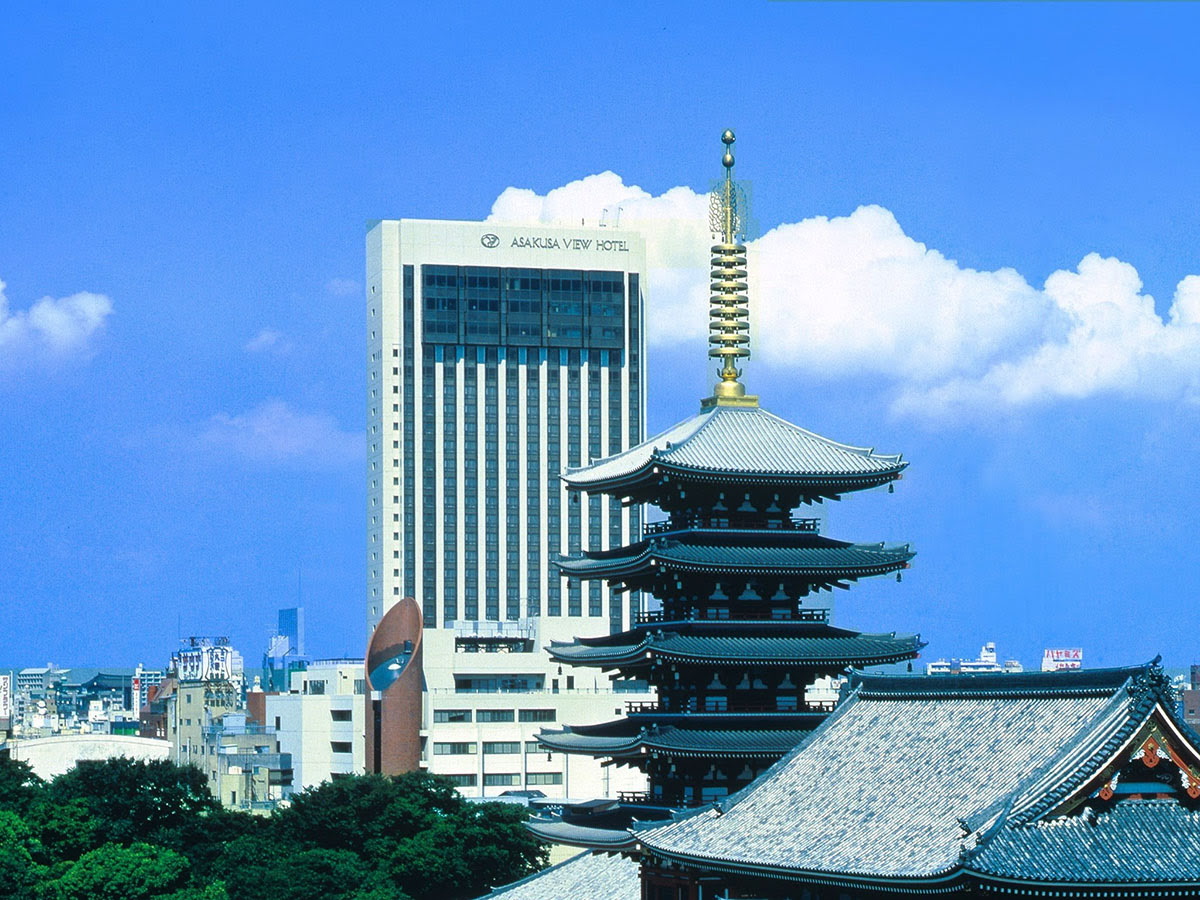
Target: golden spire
[{"x": 729, "y": 307}]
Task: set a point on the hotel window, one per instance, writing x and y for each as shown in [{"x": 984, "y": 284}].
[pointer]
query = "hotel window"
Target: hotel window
[
  {"x": 505, "y": 779},
  {"x": 492, "y": 748},
  {"x": 454, "y": 748}
]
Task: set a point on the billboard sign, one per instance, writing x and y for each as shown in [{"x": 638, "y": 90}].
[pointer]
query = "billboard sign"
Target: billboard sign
[
  {"x": 1058, "y": 659},
  {"x": 5, "y": 696},
  {"x": 206, "y": 663}
]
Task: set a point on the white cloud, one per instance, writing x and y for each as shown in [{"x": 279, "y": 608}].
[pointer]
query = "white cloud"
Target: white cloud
[
  {"x": 852, "y": 295},
  {"x": 51, "y": 328},
  {"x": 342, "y": 287},
  {"x": 269, "y": 341},
  {"x": 276, "y": 432}
]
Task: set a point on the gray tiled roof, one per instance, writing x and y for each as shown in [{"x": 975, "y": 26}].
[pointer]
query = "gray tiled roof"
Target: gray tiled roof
[
  {"x": 556, "y": 831},
  {"x": 1137, "y": 841},
  {"x": 630, "y": 740},
  {"x": 744, "y": 440},
  {"x": 882, "y": 788},
  {"x": 588, "y": 876},
  {"x": 814, "y": 644},
  {"x": 813, "y": 555}
]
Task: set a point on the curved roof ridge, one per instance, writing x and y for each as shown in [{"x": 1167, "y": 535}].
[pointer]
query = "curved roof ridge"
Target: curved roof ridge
[{"x": 998, "y": 684}]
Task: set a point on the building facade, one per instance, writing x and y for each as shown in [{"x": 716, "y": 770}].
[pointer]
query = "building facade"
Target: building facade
[
  {"x": 319, "y": 721},
  {"x": 497, "y": 357}
]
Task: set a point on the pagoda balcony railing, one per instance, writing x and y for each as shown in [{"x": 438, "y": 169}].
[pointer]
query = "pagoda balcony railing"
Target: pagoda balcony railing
[
  {"x": 643, "y": 707},
  {"x": 650, "y": 617},
  {"x": 794, "y": 523}
]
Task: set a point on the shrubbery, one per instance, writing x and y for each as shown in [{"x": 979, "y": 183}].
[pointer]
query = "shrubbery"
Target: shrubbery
[{"x": 147, "y": 830}]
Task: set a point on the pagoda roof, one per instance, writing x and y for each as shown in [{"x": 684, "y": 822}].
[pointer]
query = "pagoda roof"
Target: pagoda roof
[
  {"x": 790, "y": 553},
  {"x": 628, "y": 738},
  {"x": 596, "y": 876},
  {"x": 743, "y": 442},
  {"x": 762, "y": 643},
  {"x": 913, "y": 778}
]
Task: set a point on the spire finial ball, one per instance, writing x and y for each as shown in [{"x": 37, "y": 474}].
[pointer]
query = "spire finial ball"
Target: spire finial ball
[
  {"x": 727, "y": 137},
  {"x": 727, "y": 160}
]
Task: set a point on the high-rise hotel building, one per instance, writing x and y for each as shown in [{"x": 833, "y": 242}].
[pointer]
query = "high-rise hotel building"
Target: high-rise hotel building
[{"x": 498, "y": 356}]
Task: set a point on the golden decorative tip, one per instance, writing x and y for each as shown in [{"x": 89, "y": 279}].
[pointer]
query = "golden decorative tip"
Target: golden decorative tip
[{"x": 729, "y": 313}]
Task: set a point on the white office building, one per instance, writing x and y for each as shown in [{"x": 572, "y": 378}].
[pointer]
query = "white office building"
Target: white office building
[
  {"x": 497, "y": 357},
  {"x": 319, "y": 721}
]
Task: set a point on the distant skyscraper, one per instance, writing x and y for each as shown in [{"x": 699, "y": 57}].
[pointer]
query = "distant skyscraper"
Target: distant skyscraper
[
  {"x": 291, "y": 626},
  {"x": 498, "y": 356}
]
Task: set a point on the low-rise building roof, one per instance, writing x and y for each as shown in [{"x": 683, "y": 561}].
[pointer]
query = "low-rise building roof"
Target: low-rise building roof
[{"x": 588, "y": 876}]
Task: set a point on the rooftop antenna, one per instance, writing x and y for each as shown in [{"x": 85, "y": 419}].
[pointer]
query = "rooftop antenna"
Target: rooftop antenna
[{"x": 729, "y": 305}]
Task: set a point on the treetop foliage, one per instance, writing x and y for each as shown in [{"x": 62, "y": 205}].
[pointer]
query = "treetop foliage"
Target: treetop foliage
[{"x": 149, "y": 830}]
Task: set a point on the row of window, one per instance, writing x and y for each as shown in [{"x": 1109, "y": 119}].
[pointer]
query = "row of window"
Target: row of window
[
  {"x": 490, "y": 748},
  {"x": 505, "y": 779},
  {"x": 494, "y": 715}
]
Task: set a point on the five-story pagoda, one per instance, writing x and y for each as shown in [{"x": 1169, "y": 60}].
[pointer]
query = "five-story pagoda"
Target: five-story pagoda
[{"x": 742, "y": 633}]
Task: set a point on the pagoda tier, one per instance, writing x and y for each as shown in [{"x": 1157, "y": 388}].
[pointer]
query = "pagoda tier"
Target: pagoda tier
[
  {"x": 690, "y": 759},
  {"x": 720, "y": 567},
  {"x": 730, "y": 447},
  {"x": 708, "y": 646}
]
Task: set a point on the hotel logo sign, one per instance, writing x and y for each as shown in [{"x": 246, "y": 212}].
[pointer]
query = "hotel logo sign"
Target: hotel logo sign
[{"x": 491, "y": 241}]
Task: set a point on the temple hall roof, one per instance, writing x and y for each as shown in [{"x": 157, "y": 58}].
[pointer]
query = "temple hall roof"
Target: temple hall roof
[
  {"x": 594, "y": 876},
  {"x": 764, "y": 643},
  {"x": 909, "y": 771},
  {"x": 731, "y": 551},
  {"x": 745, "y": 441},
  {"x": 1156, "y": 841}
]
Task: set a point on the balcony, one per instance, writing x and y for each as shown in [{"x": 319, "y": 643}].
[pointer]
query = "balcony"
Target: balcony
[
  {"x": 652, "y": 617},
  {"x": 794, "y": 523},
  {"x": 656, "y": 708}
]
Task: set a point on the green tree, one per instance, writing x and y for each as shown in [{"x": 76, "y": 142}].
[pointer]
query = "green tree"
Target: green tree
[
  {"x": 19, "y": 871},
  {"x": 113, "y": 872},
  {"x": 204, "y": 838},
  {"x": 465, "y": 855},
  {"x": 66, "y": 830},
  {"x": 368, "y": 814},
  {"x": 132, "y": 800},
  {"x": 19, "y": 787}
]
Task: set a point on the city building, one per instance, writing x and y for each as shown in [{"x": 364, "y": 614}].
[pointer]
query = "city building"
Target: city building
[
  {"x": 243, "y": 763},
  {"x": 988, "y": 661},
  {"x": 1190, "y": 698},
  {"x": 743, "y": 633},
  {"x": 285, "y": 651},
  {"x": 208, "y": 682},
  {"x": 498, "y": 356},
  {"x": 318, "y": 721}
]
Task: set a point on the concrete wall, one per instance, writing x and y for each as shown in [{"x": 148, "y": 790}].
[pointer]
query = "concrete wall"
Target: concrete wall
[{"x": 51, "y": 756}]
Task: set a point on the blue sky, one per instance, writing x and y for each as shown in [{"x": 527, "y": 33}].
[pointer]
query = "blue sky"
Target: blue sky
[{"x": 183, "y": 194}]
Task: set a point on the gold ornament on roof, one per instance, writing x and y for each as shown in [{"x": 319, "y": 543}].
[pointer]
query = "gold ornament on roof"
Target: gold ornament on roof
[{"x": 729, "y": 305}]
